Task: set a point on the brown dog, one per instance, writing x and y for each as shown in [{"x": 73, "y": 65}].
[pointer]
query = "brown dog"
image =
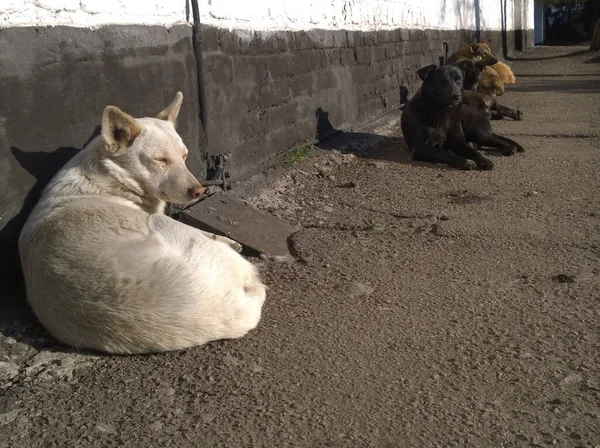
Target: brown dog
[
  {"x": 483, "y": 102},
  {"x": 475, "y": 51}
]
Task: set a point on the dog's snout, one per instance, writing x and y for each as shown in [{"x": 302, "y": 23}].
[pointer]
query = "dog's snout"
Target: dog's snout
[
  {"x": 456, "y": 96},
  {"x": 196, "y": 191}
]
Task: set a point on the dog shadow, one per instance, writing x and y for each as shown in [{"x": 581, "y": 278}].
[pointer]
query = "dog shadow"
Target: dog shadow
[
  {"x": 365, "y": 145},
  {"x": 17, "y": 321},
  {"x": 371, "y": 146}
]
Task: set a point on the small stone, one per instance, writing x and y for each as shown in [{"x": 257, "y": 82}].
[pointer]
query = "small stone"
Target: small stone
[
  {"x": 231, "y": 361},
  {"x": 438, "y": 230},
  {"x": 257, "y": 369},
  {"x": 355, "y": 289},
  {"x": 564, "y": 278},
  {"x": 436, "y": 377},
  {"x": 532, "y": 193},
  {"x": 156, "y": 426},
  {"x": 378, "y": 165},
  {"x": 56, "y": 365},
  {"x": 207, "y": 418},
  {"x": 105, "y": 428},
  {"x": 571, "y": 379},
  {"x": 8, "y": 371},
  {"x": 327, "y": 209},
  {"x": 9, "y": 417}
]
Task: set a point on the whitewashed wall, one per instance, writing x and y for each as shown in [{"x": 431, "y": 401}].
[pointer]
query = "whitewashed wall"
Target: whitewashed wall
[{"x": 265, "y": 15}]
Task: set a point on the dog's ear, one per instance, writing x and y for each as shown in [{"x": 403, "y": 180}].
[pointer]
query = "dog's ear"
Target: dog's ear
[
  {"x": 119, "y": 129},
  {"x": 423, "y": 72},
  {"x": 473, "y": 48},
  {"x": 171, "y": 112}
]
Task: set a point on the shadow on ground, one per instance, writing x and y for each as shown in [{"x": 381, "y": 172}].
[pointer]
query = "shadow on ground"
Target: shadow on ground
[
  {"x": 371, "y": 146},
  {"x": 595, "y": 60},
  {"x": 366, "y": 145},
  {"x": 544, "y": 58},
  {"x": 562, "y": 86}
]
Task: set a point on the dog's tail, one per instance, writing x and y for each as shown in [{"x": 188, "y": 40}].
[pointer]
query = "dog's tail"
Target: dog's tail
[{"x": 510, "y": 141}]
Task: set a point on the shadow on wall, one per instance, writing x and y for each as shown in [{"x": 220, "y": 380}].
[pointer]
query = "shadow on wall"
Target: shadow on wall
[
  {"x": 42, "y": 166},
  {"x": 16, "y": 318},
  {"x": 362, "y": 143}
]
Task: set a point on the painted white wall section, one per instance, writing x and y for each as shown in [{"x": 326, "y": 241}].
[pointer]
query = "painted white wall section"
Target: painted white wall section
[
  {"x": 365, "y": 15},
  {"x": 91, "y": 13},
  {"x": 273, "y": 15}
]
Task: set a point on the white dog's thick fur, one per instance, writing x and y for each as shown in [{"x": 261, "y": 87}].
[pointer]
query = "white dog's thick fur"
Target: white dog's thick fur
[{"x": 106, "y": 270}]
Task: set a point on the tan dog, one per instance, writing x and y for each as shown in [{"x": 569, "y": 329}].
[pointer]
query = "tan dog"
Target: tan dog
[
  {"x": 106, "y": 270},
  {"x": 491, "y": 83},
  {"x": 495, "y": 75},
  {"x": 505, "y": 72}
]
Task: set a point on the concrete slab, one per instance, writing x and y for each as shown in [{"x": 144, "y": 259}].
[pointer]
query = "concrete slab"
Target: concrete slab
[{"x": 260, "y": 233}]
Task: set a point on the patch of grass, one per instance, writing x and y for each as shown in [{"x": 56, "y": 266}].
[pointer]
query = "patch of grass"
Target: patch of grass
[{"x": 298, "y": 153}]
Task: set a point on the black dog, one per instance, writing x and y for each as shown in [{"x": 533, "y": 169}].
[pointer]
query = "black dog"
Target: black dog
[
  {"x": 476, "y": 125},
  {"x": 431, "y": 121}
]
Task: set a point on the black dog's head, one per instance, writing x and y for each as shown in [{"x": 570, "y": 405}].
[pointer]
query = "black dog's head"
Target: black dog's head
[
  {"x": 442, "y": 85},
  {"x": 472, "y": 72}
]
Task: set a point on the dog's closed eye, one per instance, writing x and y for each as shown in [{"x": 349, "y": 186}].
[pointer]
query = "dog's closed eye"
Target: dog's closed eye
[{"x": 161, "y": 161}]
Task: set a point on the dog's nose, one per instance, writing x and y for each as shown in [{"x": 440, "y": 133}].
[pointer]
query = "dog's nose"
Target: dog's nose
[
  {"x": 456, "y": 96},
  {"x": 196, "y": 191}
]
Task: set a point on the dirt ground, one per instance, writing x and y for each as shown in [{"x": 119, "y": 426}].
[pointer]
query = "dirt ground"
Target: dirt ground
[{"x": 428, "y": 306}]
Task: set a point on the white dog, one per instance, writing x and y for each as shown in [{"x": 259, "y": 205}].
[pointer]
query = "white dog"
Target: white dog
[{"x": 106, "y": 270}]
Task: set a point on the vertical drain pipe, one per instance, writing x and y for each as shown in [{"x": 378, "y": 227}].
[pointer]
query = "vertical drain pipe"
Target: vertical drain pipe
[{"x": 197, "y": 44}]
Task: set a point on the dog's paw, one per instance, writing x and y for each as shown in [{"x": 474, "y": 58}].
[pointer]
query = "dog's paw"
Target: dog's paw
[
  {"x": 518, "y": 115},
  {"x": 509, "y": 151},
  {"x": 485, "y": 164},
  {"x": 233, "y": 244},
  {"x": 468, "y": 165}
]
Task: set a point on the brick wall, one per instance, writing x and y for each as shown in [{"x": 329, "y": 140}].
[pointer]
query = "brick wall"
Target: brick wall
[{"x": 263, "y": 88}]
